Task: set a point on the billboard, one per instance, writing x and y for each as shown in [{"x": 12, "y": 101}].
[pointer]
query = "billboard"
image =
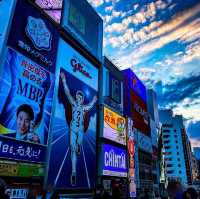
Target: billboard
[
  {"x": 114, "y": 127},
  {"x": 113, "y": 160},
  {"x": 84, "y": 24},
  {"x": 131, "y": 159},
  {"x": 5, "y": 16},
  {"x": 138, "y": 113},
  {"x": 26, "y": 91},
  {"x": 8, "y": 168},
  {"x": 131, "y": 81},
  {"x": 74, "y": 122},
  {"x": 35, "y": 37},
  {"x": 52, "y": 7}
]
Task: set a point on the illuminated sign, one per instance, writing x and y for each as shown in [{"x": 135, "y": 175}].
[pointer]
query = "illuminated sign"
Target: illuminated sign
[
  {"x": 74, "y": 122},
  {"x": 77, "y": 66},
  {"x": 134, "y": 83},
  {"x": 114, "y": 161},
  {"x": 19, "y": 169},
  {"x": 114, "y": 126},
  {"x": 131, "y": 150},
  {"x": 35, "y": 37},
  {"x": 17, "y": 193},
  {"x": 52, "y": 7}
]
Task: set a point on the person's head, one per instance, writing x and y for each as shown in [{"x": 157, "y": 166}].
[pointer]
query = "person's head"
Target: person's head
[
  {"x": 24, "y": 116},
  {"x": 79, "y": 97},
  {"x": 192, "y": 193}
]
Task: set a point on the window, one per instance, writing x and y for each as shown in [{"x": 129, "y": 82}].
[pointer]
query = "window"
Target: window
[
  {"x": 178, "y": 159},
  {"x": 176, "y": 142},
  {"x": 180, "y": 172},
  {"x": 176, "y": 147},
  {"x": 166, "y": 141},
  {"x": 166, "y": 136},
  {"x": 166, "y": 131},
  {"x": 179, "y": 165},
  {"x": 170, "y": 172},
  {"x": 169, "y": 165},
  {"x": 175, "y": 136},
  {"x": 177, "y": 153},
  {"x": 167, "y": 147},
  {"x": 174, "y": 130}
]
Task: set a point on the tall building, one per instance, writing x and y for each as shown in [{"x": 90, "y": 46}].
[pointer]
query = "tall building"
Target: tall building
[
  {"x": 135, "y": 107},
  {"x": 195, "y": 169},
  {"x": 176, "y": 148}
]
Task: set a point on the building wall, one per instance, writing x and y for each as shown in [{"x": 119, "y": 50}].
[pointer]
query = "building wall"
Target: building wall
[{"x": 173, "y": 151}]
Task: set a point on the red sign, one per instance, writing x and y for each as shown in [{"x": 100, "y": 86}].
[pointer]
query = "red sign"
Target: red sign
[{"x": 131, "y": 149}]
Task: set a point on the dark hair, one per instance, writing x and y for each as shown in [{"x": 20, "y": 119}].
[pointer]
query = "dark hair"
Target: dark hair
[
  {"x": 192, "y": 192},
  {"x": 27, "y": 109}
]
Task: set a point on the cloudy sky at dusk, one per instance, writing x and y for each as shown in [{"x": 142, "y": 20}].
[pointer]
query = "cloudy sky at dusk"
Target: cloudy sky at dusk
[{"x": 160, "y": 40}]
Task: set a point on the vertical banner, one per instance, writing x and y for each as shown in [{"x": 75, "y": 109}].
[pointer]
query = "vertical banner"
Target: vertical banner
[
  {"x": 73, "y": 147},
  {"x": 33, "y": 35},
  {"x": 131, "y": 152},
  {"x": 26, "y": 91}
]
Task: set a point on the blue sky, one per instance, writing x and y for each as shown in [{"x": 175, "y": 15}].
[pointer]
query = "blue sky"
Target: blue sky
[{"x": 160, "y": 40}]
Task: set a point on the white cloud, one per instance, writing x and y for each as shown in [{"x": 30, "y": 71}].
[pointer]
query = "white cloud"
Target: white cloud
[
  {"x": 109, "y": 8},
  {"x": 135, "y": 6},
  {"x": 96, "y": 3},
  {"x": 195, "y": 142}
]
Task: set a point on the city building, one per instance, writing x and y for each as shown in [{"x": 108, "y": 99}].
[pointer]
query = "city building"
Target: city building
[
  {"x": 135, "y": 107},
  {"x": 195, "y": 169},
  {"x": 176, "y": 148},
  {"x": 152, "y": 106}
]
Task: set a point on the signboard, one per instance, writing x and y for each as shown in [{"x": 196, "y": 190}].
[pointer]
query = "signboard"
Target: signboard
[
  {"x": 52, "y": 7},
  {"x": 134, "y": 83},
  {"x": 114, "y": 126},
  {"x": 35, "y": 37},
  {"x": 26, "y": 91},
  {"x": 115, "y": 88},
  {"x": 8, "y": 168},
  {"x": 82, "y": 21},
  {"x": 144, "y": 142},
  {"x": 138, "y": 113},
  {"x": 5, "y": 16},
  {"x": 131, "y": 152},
  {"x": 74, "y": 122},
  {"x": 114, "y": 161},
  {"x": 17, "y": 193}
]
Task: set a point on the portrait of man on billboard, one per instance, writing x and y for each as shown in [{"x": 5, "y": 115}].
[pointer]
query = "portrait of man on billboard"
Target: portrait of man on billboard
[{"x": 79, "y": 110}]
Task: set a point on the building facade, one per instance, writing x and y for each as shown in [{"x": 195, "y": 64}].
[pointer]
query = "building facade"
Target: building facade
[{"x": 175, "y": 147}]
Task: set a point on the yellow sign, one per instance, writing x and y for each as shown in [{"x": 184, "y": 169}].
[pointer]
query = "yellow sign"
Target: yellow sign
[
  {"x": 8, "y": 169},
  {"x": 114, "y": 120}
]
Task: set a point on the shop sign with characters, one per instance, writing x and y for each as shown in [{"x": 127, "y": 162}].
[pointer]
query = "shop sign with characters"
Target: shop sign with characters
[{"x": 114, "y": 127}]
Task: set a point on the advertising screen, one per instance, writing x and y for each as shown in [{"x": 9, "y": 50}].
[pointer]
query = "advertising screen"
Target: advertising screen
[
  {"x": 114, "y": 127},
  {"x": 5, "y": 16},
  {"x": 138, "y": 113},
  {"x": 113, "y": 161},
  {"x": 33, "y": 35},
  {"x": 134, "y": 83},
  {"x": 74, "y": 122},
  {"x": 52, "y": 7},
  {"x": 26, "y": 91},
  {"x": 81, "y": 20}
]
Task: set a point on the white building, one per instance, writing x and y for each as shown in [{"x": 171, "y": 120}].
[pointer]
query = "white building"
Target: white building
[{"x": 176, "y": 153}]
